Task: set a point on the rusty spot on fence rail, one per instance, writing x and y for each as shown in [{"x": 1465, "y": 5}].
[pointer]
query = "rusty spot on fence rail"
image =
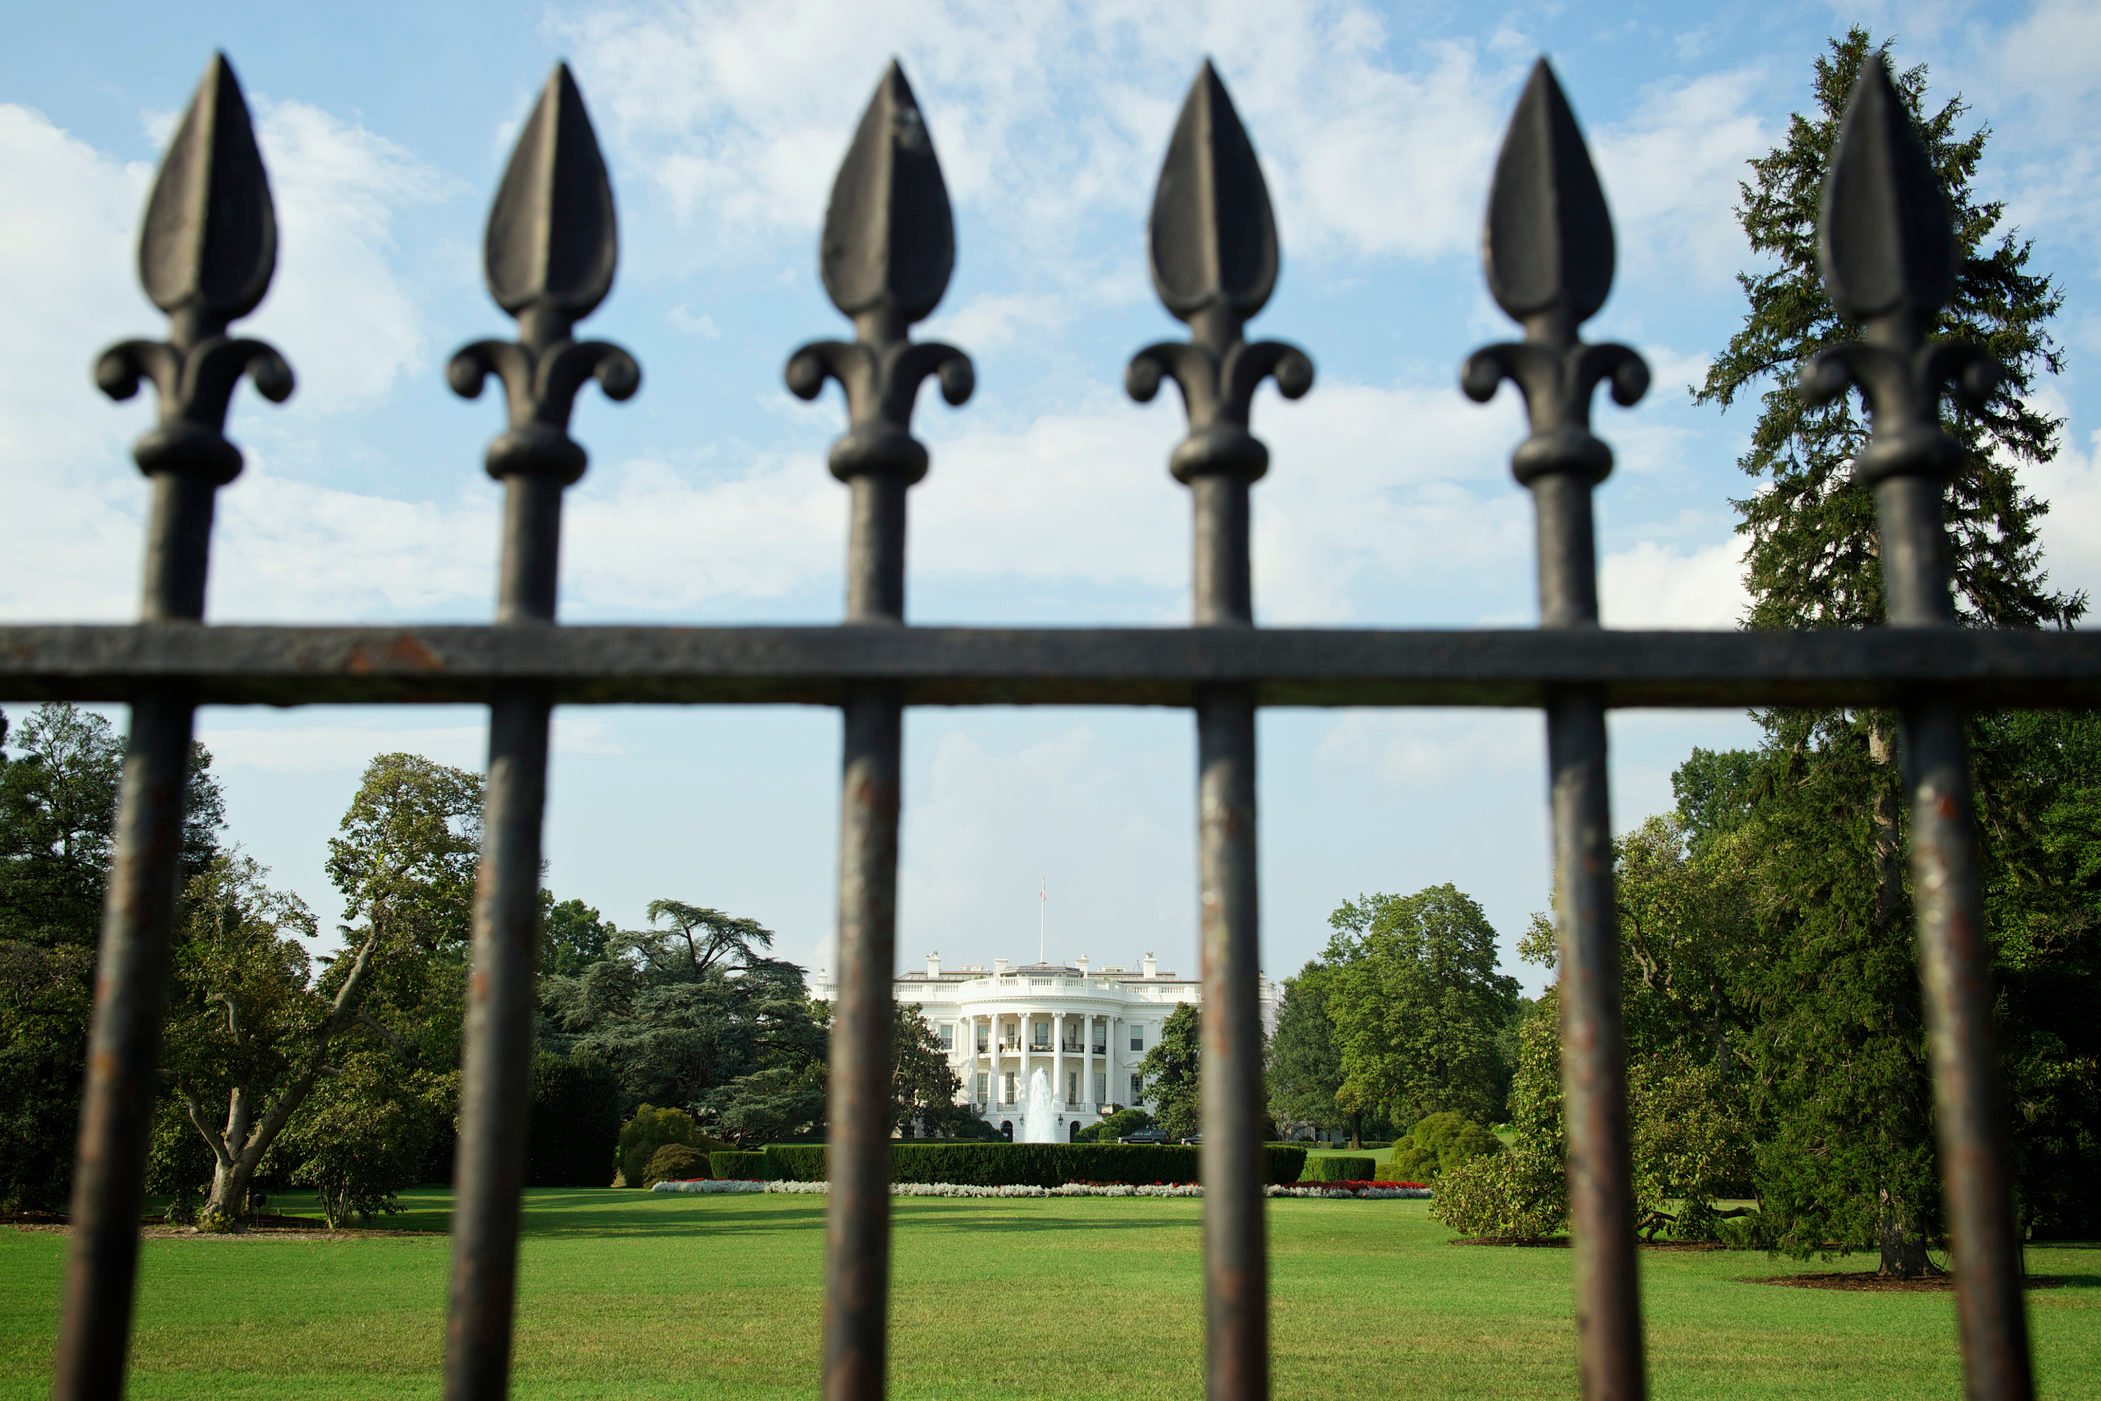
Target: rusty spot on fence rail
[{"x": 407, "y": 650}]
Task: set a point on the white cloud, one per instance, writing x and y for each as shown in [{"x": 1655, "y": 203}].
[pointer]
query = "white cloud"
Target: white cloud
[
  {"x": 315, "y": 746},
  {"x": 1432, "y": 747},
  {"x": 695, "y": 323},
  {"x": 339, "y": 309},
  {"x": 1656, "y": 585},
  {"x": 1671, "y": 173},
  {"x": 1045, "y": 115}
]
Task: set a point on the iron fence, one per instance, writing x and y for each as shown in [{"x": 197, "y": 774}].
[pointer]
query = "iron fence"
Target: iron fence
[{"x": 206, "y": 258}]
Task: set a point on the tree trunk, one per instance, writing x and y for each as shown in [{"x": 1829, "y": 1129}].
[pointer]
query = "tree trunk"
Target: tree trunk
[
  {"x": 1889, "y": 851},
  {"x": 1903, "y": 1249},
  {"x": 227, "y": 1204}
]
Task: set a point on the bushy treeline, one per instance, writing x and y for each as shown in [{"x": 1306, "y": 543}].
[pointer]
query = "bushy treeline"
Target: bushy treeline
[{"x": 1406, "y": 1014}]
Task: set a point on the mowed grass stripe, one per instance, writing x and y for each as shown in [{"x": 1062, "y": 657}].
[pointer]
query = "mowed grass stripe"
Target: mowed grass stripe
[{"x": 662, "y": 1296}]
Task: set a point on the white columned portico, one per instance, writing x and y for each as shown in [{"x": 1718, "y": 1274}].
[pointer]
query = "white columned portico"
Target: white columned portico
[{"x": 1058, "y": 1061}]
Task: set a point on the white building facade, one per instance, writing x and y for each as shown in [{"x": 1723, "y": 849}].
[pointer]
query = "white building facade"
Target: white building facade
[{"x": 1085, "y": 1028}]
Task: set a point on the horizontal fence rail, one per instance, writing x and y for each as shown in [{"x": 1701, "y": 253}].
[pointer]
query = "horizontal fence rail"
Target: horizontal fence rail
[
  {"x": 223, "y": 664},
  {"x": 886, "y": 257}
]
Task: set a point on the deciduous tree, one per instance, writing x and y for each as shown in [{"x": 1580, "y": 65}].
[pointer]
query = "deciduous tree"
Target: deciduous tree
[{"x": 1418, "y": 1005}]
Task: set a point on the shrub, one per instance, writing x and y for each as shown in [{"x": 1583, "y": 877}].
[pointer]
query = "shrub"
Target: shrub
[
  {"x": 738, "y": 1163},
  {"x": 651, "y": 1129},
  {"x": 1338, "y": 1169},
  {"x": 1283, "y": 1164},
  {"x": 574, "y": 1133},
  {"x": 1518, "y": 1195},
  {"x": 1115, "y": 1126},
  {"x": 675, "y": 1162},
  {"x": 360, "y": 1135},
  {"x": 1437, "y": 1144},
  {"x": 794, "y": 1162}
]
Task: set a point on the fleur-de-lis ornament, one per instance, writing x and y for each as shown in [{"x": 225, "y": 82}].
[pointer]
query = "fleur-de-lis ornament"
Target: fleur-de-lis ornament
[
  {"x": 1889, "y": 261},
  {"x": 205, "y": 258},
  {"x": 1214, "y": 256},
  {"x": 1548, "y": 251},
  {"x": 889, "y": 247},
  {"x": 549, "y": 254}
]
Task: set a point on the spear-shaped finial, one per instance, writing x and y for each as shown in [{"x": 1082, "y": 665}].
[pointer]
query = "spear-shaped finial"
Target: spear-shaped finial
[
  {"x": 206, "y": 256},
  {"x": 1888, "y": 253},
  {"x": 550, "y": 250},
  {"x": 1214, "y": 255},
  {"x": 889, "y": 247},
  {"x": 1548, "y": 251}
]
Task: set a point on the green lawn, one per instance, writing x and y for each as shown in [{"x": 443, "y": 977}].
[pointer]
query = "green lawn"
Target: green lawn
[{"x": 633, "y": 1295}]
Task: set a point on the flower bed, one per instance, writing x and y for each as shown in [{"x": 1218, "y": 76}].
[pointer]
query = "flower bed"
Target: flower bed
[{"x": 1363, "y": 1191}]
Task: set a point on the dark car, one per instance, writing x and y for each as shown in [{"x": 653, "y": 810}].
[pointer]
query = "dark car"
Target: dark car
[{"x": 1144, "y": 1136}]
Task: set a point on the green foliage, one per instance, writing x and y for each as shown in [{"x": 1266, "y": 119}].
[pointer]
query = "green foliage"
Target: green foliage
[
  {"x": 923, "y": 1086},
  {"x": 1283, "y": 1163},
  {"x": 795, "y": 1162},
  {"x": 59, "y": 772},
  {"x": 1119, "y": 1124},
  {"x": 1689, "y": 1146},
  {"x": 574, "y": 1133},
  {"x": 675, "y": 1162},
  {"x": 1418, "y": 1005},
  {"x": 1170, "y": 1071},
  {"x": 747, "y": 1164},
  {"x": 650, "y": 1129},
  {"x": 361, "y": 1133},
  {"x": 688, "y": 1013},
  {"x": 1339, "y": 1168},
  {"x": 46, "y": 997},
  {"x": 1304, "y": 1062},
  {"x": 1520, "y": 1196},
  {"x": 573, "y": 936},
  {"x": 405, "y": 859},
  {"x": 1812, "y": 544},
  {"x": 1436, "y": 1144}
]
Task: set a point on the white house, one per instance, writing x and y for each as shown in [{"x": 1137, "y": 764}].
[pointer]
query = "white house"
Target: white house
[{"x": 1084, "y": 1029}]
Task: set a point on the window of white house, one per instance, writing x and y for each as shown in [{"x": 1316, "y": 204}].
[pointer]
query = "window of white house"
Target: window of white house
[
  {"x": 984, "y": 1038},
  {"x": 1137, "y": 1039},
  {"x": 983, "y": 1084},
  {"x": 1101, "y": 1087},
  {"x": 948, "y": 1036},
  {"x": 1072, "y": 1087},
  {"x": 1137, "y": 1088},
  {"x": 1009, "y": 1099}
]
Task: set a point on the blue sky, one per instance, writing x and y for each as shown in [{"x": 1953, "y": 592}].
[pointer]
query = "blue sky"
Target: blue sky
[{"x": 1388, "y": 501}]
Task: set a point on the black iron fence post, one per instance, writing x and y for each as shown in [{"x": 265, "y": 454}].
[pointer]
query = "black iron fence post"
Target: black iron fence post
[
  {"x": 1889, "y": 261},
  {"x": 889, "y": 247},
  {"x": 1214, "y": 257},
  {"x": 206, "y": 256},
  {"x": 550, "y": 252},
  {"x": 1548, "y": 250}
]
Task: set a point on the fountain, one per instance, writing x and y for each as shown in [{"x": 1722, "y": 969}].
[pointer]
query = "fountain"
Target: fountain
[{"x": 1039, "y": 1113}]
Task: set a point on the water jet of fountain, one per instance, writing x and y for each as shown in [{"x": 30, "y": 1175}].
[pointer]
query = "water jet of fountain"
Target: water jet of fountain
[{"x": 1038, "y": 1113}]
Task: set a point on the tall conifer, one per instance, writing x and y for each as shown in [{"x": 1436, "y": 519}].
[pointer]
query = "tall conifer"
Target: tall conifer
[{"x": 1839, "y": 1055}]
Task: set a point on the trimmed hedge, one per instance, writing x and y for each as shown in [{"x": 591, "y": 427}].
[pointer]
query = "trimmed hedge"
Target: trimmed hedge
[
  {"x": 1339, "y": 1169},
  {"x": 740, "y": 1163},
  {"x": 573, "y": 1134},
  {"x": 1021, "y": 1164}
]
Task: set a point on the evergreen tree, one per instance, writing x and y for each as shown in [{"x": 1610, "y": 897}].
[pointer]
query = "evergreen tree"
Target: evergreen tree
[
  {"x": 1171, "y": 1072},
  {"x": 1811, "y": 542},
  {"x": 1838, "y": 1053},
  {"x": 1305, "y": 1066}
]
